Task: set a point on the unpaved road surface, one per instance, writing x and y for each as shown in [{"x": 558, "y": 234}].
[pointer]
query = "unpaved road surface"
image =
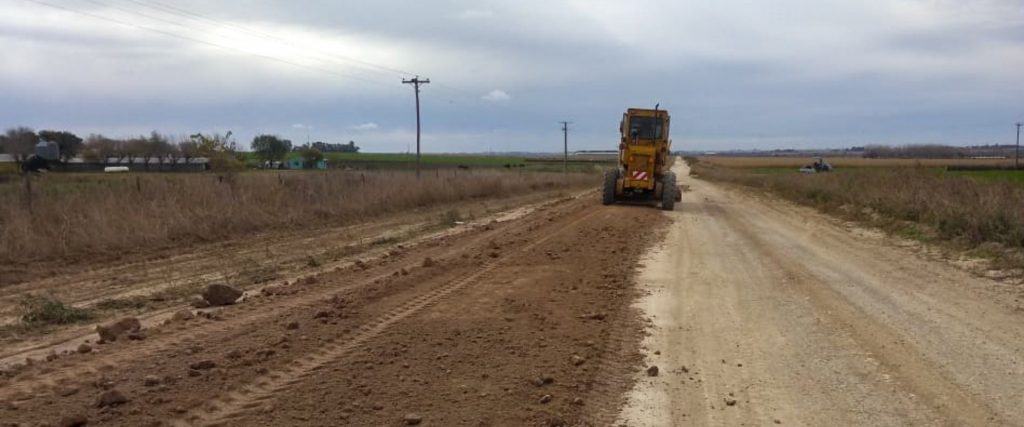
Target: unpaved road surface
[
  {"x": 521, "y": 321},
  {"x": 764, "y": 313}
]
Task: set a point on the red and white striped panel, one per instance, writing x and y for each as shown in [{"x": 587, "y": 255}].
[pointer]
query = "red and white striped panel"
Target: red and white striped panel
[{"x": 640, "y": 175}]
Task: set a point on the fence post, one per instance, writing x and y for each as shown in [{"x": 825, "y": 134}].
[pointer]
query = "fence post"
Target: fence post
[{"x": 138, "y": 184}]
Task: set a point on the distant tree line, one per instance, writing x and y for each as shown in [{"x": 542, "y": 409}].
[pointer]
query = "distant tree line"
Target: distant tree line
[
  {"x": 221, "y": 151},
  {"x": 272, "y": 148},
  {"x": 932, "y": 151},
  {"x": 325, "y": 147}
]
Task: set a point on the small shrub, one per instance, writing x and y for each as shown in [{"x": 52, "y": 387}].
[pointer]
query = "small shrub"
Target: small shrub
[
  {"x": 47, "y": 310},
  {"x": 450, "y": 217}
]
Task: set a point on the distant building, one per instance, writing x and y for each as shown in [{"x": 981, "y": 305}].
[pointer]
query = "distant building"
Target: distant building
[{"x": 298, "y": 163}]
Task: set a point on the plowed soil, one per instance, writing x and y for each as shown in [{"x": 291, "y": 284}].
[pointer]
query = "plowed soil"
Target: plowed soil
[{"x": 520, "y": 322}]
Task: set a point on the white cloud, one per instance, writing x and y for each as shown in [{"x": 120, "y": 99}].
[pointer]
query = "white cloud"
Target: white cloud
[
  {"x": 471, "y": 14},
  {"x": 366, "y": 126},
  {"x": 496, "y": 95},
  {"x": 301, "y": 126}
]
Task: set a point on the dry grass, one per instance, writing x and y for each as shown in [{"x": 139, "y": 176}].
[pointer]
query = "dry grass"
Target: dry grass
[
  {"x": 845, "y": 162},
  {"x": 79, "y": 215},
  {"x": 917, "y": 202}
]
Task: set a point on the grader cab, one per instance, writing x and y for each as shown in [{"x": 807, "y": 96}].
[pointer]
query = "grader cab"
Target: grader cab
[{"x": 643, "y": 171}]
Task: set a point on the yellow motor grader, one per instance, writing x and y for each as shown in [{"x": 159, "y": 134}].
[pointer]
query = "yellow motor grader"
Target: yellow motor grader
[{"x": 643, "y": 169}]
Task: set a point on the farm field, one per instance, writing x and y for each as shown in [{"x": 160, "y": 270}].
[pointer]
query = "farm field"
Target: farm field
[
  {"x": 845, "y": 162},
  {"x": 537, "y": 308}
]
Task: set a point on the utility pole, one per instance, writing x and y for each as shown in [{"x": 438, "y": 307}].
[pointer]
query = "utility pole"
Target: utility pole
[
  {"x": 416, "y": 82},
  {"x": 565, "y": 143},
  {"x": 1016, "y": 159}
]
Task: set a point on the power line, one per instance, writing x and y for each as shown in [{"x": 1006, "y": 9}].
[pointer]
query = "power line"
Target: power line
[
  {"x": 416, "y": 82},
  {"x": 196, "y": 40}
]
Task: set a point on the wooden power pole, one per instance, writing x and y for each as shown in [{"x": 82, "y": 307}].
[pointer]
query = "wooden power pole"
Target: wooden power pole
[
  {"x": 565, "y": 146},
  {"x": 416, "y": 82}
]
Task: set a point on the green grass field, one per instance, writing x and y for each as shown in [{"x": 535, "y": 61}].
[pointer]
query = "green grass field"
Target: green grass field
[{"x": 993, "y": 175}]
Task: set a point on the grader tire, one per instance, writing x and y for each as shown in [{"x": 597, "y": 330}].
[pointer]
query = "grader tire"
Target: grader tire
[
  {"x": 668, "y": 192},
  {"x": 608, "y": 192}
]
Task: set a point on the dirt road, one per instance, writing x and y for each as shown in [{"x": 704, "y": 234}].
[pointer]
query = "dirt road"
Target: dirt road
[
  {"x": 757, "y": 313},
  {"x": 765, "y": 313}
]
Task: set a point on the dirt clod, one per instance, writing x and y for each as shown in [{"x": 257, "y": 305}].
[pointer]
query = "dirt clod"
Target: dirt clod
[
  {"x": 150, "y": 380},
  {"x": 73, "y": 420},
  {"x": 577, "y": 360},
  {"x": 412, "y": 419},
  {"x": 292, "y": 325},
  {"x": 84, "y": 348},
  {"x": 652, "y": 371},
  {"x": 112, "y": 331},
  {"x": 111, "y": 397},
  {"x": 219, "y": 294},
  {"x": 545, "y": 398},
  {"x": 429, "y": 262},
  {"x": 203, "y": 364},
  {"x": 183, "y": 315}
]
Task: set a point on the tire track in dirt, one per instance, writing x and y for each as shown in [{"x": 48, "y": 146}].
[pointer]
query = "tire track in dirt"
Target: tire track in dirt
[
  {"x": 251, "y": 396},
  {"x": 248, "y": 313}
]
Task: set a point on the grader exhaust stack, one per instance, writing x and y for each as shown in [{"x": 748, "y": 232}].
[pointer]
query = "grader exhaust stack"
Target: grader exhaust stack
[{"x": 642, "y": 171}]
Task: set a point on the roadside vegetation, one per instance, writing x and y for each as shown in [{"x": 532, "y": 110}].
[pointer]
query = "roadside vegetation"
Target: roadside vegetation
[
  {"x": 71, "y": 215},
  {"x": 39, "y": 310},
  {"x": 981, "y": 214}
]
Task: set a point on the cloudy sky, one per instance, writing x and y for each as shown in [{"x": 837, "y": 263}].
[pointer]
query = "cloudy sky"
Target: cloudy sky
[{"x": 733, "y": 73}]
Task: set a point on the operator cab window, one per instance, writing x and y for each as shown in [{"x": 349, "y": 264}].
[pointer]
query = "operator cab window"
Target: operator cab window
[{"x": 645, "y": 128}]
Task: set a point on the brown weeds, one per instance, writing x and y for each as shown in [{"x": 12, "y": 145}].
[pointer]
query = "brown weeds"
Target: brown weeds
[
  {"x": 954, "y": 208},
  {"x": 74, "y": 215}
]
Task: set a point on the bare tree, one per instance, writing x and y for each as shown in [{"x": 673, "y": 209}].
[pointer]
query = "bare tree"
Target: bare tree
[
  {"x": 99, "y": 148},
  {"x": 20, "y": 142}
]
